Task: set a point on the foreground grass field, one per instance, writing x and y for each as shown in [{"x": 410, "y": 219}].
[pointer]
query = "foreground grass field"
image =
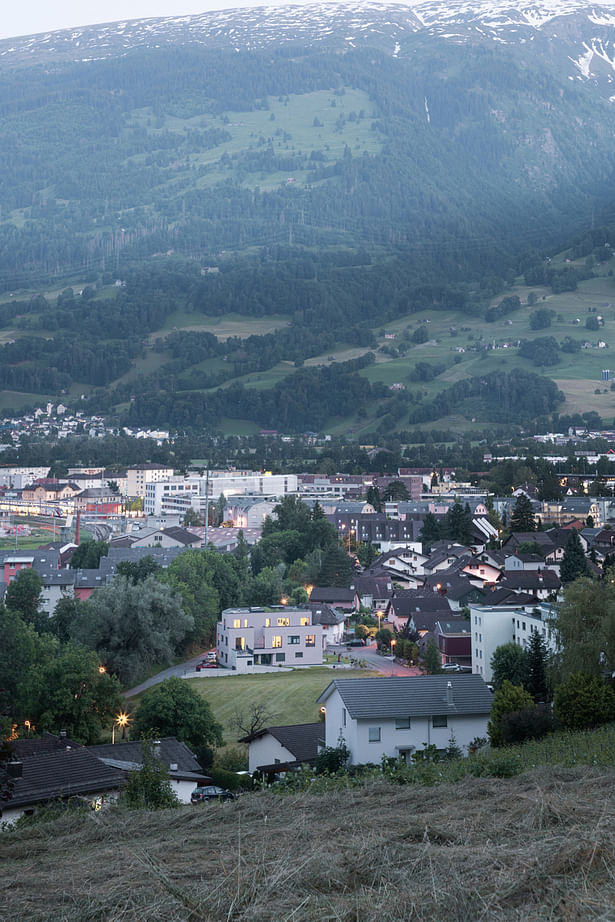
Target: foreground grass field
[
  {"x": 528, "y": 849},
  {"x": 290, "y": 697}
]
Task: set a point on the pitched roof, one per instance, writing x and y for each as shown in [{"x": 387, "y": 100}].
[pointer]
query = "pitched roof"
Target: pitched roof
[
  {"x": 332, "y": 594},
  {"x": 128, "y": 754},
  {"x": 411, "y": 696},
  {"x": 62, "y": 773},
  {"x": 302, "y": 740}
]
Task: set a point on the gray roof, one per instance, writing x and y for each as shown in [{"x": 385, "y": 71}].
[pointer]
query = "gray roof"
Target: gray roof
[
  {"x": 300, "y": 739},
  {"x": 128, "y": 754},
  {"x": 62, "y": 773},
  {"x": 412, "y": 696}
]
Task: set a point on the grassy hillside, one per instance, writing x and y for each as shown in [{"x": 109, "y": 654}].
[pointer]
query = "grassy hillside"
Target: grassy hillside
[
  {"x": 289, "y": 696},
  {"x": 537, "y": 847}
]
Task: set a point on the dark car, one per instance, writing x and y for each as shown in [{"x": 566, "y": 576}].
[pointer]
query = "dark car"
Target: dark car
[
  {"x": 355, "y": 643},
  {"x": 210, "y": 792}
]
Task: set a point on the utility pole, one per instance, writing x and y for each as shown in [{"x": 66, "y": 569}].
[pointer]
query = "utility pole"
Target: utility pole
[{"x": 207, "y": 505}]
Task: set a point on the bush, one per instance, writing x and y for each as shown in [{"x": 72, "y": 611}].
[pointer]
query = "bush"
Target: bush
[
  {"x": 583, "y": 701},
  {"x": 230, "y": 780},
  {"x": 509, "y": 699},
  {"x": 531, "y": 723}
]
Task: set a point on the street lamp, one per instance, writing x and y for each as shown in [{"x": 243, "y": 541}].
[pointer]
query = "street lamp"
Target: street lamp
[
  {"x": 121, "y": 720},
  {"x": 393, "y": 642}
]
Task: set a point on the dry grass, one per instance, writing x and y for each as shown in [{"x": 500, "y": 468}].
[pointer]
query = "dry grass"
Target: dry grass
[{"x": 539, "y": 847}]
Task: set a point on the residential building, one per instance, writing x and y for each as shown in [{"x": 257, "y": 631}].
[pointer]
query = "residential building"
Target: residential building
[
  {"x": 280, "y": 749},
  {"x": 54, "y": 768},
  {"x": 397, "y": 716},
  {"x": 251, "y": 637},
  {"x": 185, "y": 773},
  {"x": 494, "y": 625},
  {"x": 138, "y": 477}
]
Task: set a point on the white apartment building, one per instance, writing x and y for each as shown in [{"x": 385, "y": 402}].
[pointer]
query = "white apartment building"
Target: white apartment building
[
  {"x": 138, "y": 477},
  {"x": 493, "y": 626},
  {"x": 16, "y": 478},
  {"x": 249, "y": 637},
  {"x": 176, "y": 494}
]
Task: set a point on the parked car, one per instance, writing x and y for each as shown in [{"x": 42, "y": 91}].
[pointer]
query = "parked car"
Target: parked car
[
  {"x": 209, "y": 792},
  {"x": 355, "y": 643},
  {"x": 206, "y": 664},
  {"x": 450, "y": 667}
]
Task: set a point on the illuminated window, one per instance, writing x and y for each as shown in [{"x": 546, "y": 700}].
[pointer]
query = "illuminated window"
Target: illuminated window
[
  {"x": 267, "y": 622},
  {"x": 277, "y": 641},
  {"x": 310, "y": 640},
  {"x": 305, "y": 622},
  {"x": 283, "y": 622},
  {"x": 237, "y": 622},
  {"x": 240, "y": 643},
  {"x": 245, "y": 622}
]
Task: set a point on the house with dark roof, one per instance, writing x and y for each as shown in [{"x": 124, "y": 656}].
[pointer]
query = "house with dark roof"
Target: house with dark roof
[
  {"x": 280, "y": 749},
  {"x": 184, "y": 770},
  {"x": 332, "y": 622},
  {"x": 40, "y": 775},
  {"x": 399, "y": 715},
  {"x": 539, "y": 583},
  {"x": 345, "y": 600}
]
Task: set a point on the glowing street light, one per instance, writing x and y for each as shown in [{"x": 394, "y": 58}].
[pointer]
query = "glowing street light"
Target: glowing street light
[{"x": 121, "y": 720}]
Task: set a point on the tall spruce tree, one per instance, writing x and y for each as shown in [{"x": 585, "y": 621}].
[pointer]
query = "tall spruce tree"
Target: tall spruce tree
[
  {"x": 574, "y": 562},
  {"x": 536, "y": 681},
  {"x": 522, "y": 517}
]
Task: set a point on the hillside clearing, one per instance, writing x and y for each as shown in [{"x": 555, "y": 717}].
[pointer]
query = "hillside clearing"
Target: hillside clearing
[{"x": 537, "y": 847}]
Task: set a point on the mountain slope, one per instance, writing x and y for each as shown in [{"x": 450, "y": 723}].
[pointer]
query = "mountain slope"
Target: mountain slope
[{"x": 341, "y": 166}]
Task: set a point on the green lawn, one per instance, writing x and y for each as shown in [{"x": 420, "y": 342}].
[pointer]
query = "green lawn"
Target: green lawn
[{"x": 290, "y": 696}]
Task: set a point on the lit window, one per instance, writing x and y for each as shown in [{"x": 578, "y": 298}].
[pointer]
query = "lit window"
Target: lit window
[
  {"x": 402, "y": 723},
  {"x": 277, "y": 641},
  {"x": 245, "y": 622},
  {"x": 283, "y": 622},
  {"x": 310, "y": 640},
  {"x": 305, "y": 622},
  {"x": 237, "y": 622},
  {"x": 373, "y": 734},
  {"x": 267, "y": 622},
  {"x": 440, "y": 720},
  {"x": 240, "y": 643}
]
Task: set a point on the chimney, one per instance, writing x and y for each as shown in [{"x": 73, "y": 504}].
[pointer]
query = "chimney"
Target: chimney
[{"x": 449, "y": 693}]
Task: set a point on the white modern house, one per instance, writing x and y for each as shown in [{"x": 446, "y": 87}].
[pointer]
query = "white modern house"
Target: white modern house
[
  {"x": 249, "y": 637},
  {"x": 494, "y": 625},
  {"x": 399, "y": 715}
]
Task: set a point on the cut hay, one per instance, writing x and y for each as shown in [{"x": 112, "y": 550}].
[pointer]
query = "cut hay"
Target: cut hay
[{"x": 536, "y": 847}]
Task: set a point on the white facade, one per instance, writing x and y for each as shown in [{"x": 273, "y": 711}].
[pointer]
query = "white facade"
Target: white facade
[
  {"x": 176, "y": 494},
  {"x": 395, "y": 730},
  {"x": 493, "y": 626},
  {"x": 268, "y": 637},
  {"x": 17, "y": 478},
  {"x": 266, "y": 750},
  {"x": 138, "y": 477}
]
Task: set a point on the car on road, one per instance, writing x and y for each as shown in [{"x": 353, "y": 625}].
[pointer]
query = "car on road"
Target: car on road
[{"x": 203, "y": 795}]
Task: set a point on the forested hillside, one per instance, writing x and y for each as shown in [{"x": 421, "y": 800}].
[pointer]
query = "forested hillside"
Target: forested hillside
[{"x": 148, "y": 191}]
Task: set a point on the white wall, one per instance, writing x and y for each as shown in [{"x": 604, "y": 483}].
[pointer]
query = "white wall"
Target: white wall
[{"x": 265, "y": 750}]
